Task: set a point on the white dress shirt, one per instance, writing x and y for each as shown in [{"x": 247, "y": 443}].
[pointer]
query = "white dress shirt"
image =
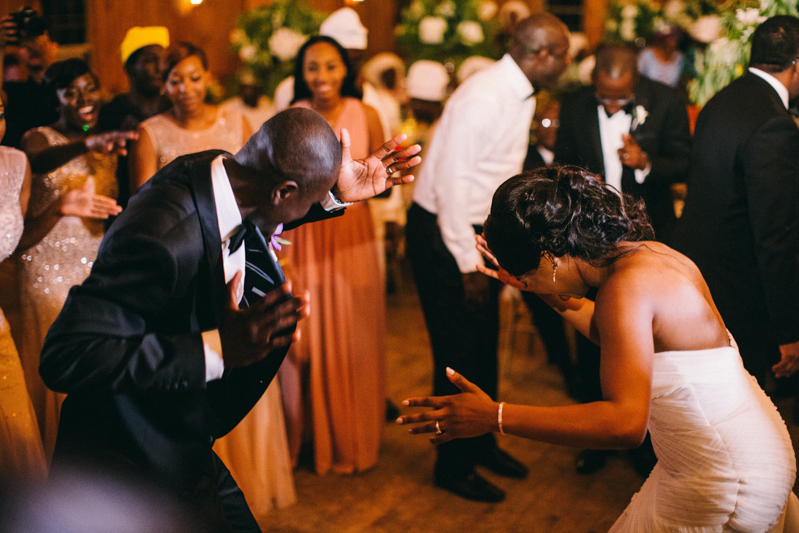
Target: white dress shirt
[
  {"x": 774, "y": 82},
  {"x": 611, "y": 130},
  {"x": 481, "y": 141}
]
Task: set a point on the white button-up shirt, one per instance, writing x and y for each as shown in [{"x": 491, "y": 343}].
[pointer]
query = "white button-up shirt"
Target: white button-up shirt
[{"x": 481, "y": 141}]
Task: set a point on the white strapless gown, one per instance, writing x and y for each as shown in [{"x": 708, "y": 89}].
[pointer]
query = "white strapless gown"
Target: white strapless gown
[{"x": 725, "y": 459}]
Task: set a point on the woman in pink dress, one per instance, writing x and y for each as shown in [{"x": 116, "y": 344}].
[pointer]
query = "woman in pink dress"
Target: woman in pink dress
[{"x": 340, "y": 358}]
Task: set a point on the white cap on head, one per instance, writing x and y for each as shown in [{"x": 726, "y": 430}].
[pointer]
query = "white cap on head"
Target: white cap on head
[
  {"x": 344, "y": 25},
  {"x": 472, "y": 65},
  {"x": 427, "y": 80},
  {"x": 373, "y": 69}
]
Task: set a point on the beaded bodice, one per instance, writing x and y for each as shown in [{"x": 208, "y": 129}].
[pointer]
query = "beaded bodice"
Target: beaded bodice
[{"x": 12, "y": 172}]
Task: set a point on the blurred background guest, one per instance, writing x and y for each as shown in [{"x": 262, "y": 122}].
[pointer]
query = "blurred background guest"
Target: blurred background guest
[
  {"x": 191, "y": 125},
  {"x": 342, "y": 350},
  {"x": 141, "y": 54},
  {"x": 21, "y": 451},
  {"x": 72, "y": 191},
  {"x": 250, "y": 101},
  {"x": 386, "y": 73},
  {"x": 663, "y": 61}
]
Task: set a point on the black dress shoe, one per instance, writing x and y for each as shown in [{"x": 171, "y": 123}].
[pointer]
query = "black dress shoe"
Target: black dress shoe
[
  {"x": 589, "y": 461},
  {"x": 500, "y": 462},
  {"x": 471, "y": 486}
]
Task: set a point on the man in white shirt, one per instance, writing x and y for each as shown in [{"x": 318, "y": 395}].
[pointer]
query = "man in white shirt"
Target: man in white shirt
[{"x": 481, "y": 141}]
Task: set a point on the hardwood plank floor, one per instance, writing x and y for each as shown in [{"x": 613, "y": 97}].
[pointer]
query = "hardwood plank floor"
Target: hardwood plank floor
[{"x": 398, "y": 495}]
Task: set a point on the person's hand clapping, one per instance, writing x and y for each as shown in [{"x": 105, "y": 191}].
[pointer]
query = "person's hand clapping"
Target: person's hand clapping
[
  {"x": 469, "y": 414},
  {"x": 248, "y": 335},
  {"x": 631, "y": 154},
  {"x": 362, "y": 179},
  {"x": 84, "y": 203},
  {"x": 113, "y": 142}
]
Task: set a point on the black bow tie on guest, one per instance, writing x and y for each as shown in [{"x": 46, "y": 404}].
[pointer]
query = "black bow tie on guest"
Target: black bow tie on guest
[{"x": 262, "y": 271}]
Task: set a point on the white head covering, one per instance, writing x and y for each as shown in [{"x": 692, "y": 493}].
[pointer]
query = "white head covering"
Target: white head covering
[
  {"x": 427, "y": 80},
  {"x": 344, "y": 25},
  {"x": 472, "y": 65},
  {"x": 373, "y": 69}
]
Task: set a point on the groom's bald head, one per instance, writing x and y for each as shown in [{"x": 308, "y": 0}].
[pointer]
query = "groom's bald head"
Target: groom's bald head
[{"x": 298, "y": 145}]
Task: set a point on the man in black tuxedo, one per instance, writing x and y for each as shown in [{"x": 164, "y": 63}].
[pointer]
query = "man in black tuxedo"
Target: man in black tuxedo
[
  {"x": 631, "y": 130},
  {"x": 634, "y": 132},
  {"x": 155, "y": 354},
  {"x": 740, "y": 224}
]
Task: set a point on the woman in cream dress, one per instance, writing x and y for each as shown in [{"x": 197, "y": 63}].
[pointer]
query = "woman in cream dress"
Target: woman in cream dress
[{"x": 256, "y": 451}]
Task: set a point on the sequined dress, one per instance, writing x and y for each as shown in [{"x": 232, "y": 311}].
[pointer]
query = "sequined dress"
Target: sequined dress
[
  {"x": 256, "y": 451},
  {"x": 171, "y": 141},
  {"x": 48, "y": 269},
  {"x": 21, "y": 451}
]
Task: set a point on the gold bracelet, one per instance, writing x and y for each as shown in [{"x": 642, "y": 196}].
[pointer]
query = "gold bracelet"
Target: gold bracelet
[{"x": 499, "y": 418}]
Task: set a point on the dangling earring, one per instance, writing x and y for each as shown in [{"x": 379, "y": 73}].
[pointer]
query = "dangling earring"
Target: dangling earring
[{"x": 554, "y": 270}]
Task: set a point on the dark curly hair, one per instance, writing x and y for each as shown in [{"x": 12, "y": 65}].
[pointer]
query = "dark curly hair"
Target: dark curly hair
[
  {"x": 561, "y": 210},
  {"x": 348, "y": 86}
]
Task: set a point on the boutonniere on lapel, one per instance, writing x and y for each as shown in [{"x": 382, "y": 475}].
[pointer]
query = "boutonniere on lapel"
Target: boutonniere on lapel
[
  {"x": 276, "y": 241},
  {"x": 639, "y": 116}
]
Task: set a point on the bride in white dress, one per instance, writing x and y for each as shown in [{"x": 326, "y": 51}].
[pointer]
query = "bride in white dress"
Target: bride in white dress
[{"x": 668, "y": 365}]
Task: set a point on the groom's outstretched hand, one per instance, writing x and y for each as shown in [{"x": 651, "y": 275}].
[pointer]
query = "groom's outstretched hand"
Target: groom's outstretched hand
[
  {"x": 248, "y": 335},
  {"x": 361, "y": 179}
]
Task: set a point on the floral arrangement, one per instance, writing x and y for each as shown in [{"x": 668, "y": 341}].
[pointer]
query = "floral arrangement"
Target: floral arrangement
[
  {"x": 268, "y": 38},
  {"x": 448, "y": 29},
  {"x": 727, "y": 56},
  {"x": 632, "y": 22}
]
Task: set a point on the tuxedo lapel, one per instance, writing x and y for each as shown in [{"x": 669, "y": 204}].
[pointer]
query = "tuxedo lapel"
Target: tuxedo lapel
[
  {"x": 594, "y": 136},
  {"x": 203, "y": 195}
]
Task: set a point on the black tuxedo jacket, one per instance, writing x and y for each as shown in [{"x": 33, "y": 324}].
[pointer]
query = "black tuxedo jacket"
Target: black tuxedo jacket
[
  {"x": 740, "y": 224},
  {"x": 127, "y": 346},
  {"x": 664, "y": 135}
]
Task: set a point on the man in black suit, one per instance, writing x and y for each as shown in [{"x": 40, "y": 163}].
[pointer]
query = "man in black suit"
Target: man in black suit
[
  {"x": 629, "y": 129},
  {"x": 740, "y": 224},
  {"x": 634, "y": 132},
  {"x": 155, "y": 354}
]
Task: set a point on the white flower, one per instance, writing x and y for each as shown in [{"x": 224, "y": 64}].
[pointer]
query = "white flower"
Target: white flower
[
  {"x": 248, "y": 52},
  {"x": 486, "y": 10},
  {"x": 446, "y": 9},
  {"x": 706, "y": 29},
  {"x": 432, "y": 29},
  {"x": 629, "y": 11},
  {"x": 674, "y": 9},
  {"x": 627, "y": 29},
  {"x": 640, "y": 113},
  {"x": 749, "y": 17},
  {"x": 611, "y": 25},
  {"x": 471, "y": 32},
  {"x": 285, "y": 43},
  {"x": 238, "y": 36},
  {"x": 416, "y": 10}
]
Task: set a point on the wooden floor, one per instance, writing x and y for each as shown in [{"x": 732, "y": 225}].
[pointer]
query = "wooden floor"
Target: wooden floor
[{"x": 398, "y": 495}]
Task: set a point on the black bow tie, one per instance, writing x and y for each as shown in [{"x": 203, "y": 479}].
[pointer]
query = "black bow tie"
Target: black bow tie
[{"x": 247, "y": 229}]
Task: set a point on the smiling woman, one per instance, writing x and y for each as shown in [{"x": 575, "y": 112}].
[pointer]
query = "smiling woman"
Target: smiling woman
[
  {"x": 73, "y": 190},
  {"x": 191, "y": 125}
]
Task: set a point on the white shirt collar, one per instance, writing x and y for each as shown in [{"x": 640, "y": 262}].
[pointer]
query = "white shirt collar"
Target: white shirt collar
[
  {"x": 774, "y": 82},
  {"x": 520, "y": 83},
  {"x": 227, "y": 210}
]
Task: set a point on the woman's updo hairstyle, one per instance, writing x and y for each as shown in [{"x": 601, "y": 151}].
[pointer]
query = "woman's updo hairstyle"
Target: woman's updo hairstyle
[
  {"x": 561, "y": 210},
  {"x": 177, "y": 53},
  {"x": 61, "y": 74}
]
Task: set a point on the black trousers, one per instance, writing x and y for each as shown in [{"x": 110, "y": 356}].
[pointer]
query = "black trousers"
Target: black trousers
[
  {"x": 550, "y": 326},
  {"x": 465, "y": 340}
]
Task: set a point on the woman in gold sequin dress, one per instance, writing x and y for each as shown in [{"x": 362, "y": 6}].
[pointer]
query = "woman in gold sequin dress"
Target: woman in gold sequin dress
[
  {"x": 21, "y": 451},
  {"x": 256, "y": 451},
  {"x": 72, "y": 191}
]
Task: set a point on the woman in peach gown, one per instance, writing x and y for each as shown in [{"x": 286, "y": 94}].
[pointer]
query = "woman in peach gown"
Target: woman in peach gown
[
  {"x": 73, "y": 190},
  {"x": 21, "y": 450},
  {"x": 340, "y": 358},
  {"x": 256, "y": 451}
]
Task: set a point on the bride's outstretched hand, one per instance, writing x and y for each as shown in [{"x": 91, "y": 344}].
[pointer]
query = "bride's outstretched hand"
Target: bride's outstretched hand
[
  {"x": 361, "y": 179},
  {"x": 500, "y": 273},
  {"x": 468, "y": 414}
]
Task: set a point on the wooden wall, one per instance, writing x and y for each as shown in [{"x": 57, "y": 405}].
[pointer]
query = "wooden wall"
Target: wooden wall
[{"x": 209, "y": 25}]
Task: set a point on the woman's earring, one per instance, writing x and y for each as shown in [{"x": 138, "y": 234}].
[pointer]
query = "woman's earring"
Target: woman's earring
[{"x": 554, "y": 270}]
